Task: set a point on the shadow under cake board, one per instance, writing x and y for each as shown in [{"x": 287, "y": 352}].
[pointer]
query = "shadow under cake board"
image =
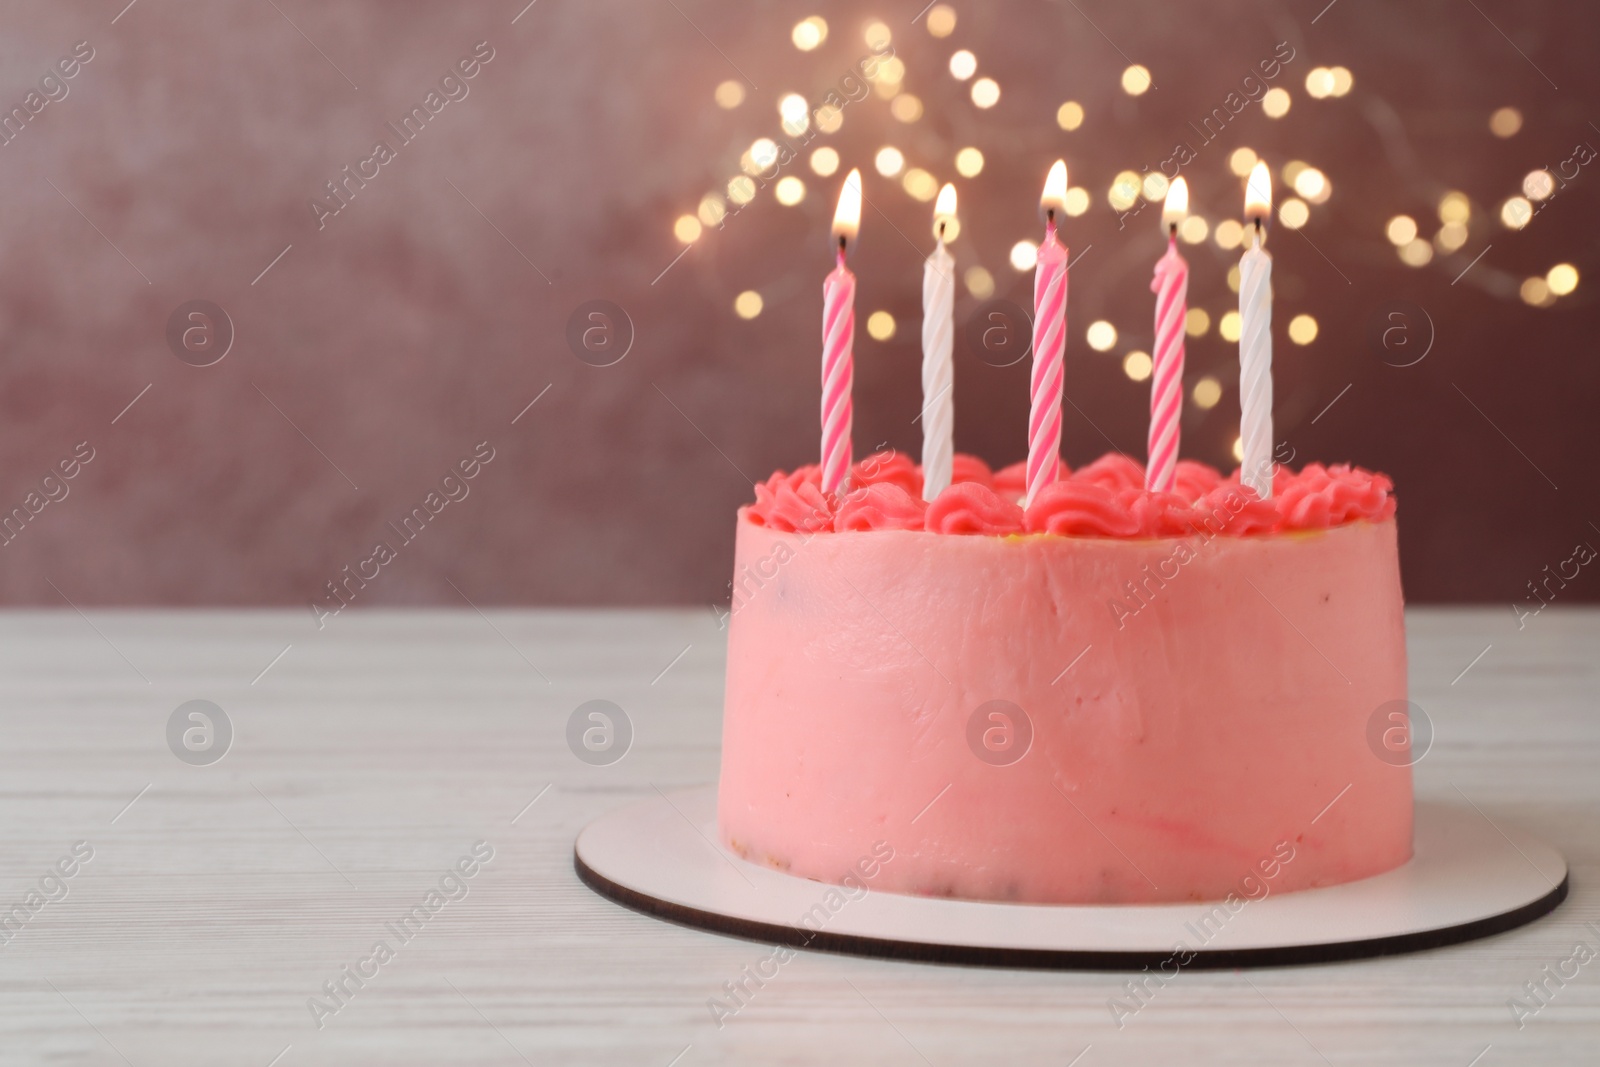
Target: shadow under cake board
[{"x": 1465, "y": 881}]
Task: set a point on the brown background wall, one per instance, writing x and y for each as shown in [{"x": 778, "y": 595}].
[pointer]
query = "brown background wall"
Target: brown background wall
[{"x": 419, "y": 321}]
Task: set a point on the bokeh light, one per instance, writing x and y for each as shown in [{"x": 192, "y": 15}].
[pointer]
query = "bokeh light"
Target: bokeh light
[
  {"x": 1101, "y": 335},
  {"x": 1516, "y": 212},
  {"x": 963, "y": 65},
  {"x": 741, "y": 190},
  {"x": 1135, "y": 80},
  {"x": 829, "y": 118},
  {"x": 1319, "y": 83},
  {"x": 808, "y": 33},
  {"x": 789, "y": 190},
  {"x": 712, "y": 210},
  {"x": 1124, "y": 190},
  {"x": 1228, "y": 234},
  {"x": 1196, "y": 322},
  {"x": 1451, "y": 236},
  {"x": 686, "y": 229},
  {"x": 1077, "y": 201},
  {"x": 1416, "y": 253},
  {"x": 941, "y": 20},
  {"x": 1505, "y": 122},
  {"x": 889, "y": 161},
  {"x": 906, "y": 108},
  {"x": 1024, "y": 255},
  {"x": 969, "y": 162},
  {"x": 1238, "y": 450},
  {"x": 730, "y": 94},
  {"x": 1454, "y": 207},
  {"x": 1241, "y": 160},
  {"x": 1343, "y": 80},
  {"x": 1293, "y": 213},
  {"x": 880, "y": 325},
  {"x": 1312, "y": 184},
  {"x": 1275, "y": 103},
  {"x": 980, "y": 283},
  {"x": 1137, "y": 365},
  {"x": 1536, "y": 292},
  {"x": 1154, "y": 186},
  {"x": 1193, "y": 230},
  {"x": 795, "y": 113},
  {"x": 985, "y": 92},
  {"x": 876, "y": 35},
  {"x": 1538, "y": 184},
  {"x": 1402, "y": 229},
  {"x": 1069, "y": 116},
  {"x": 748, "y": 304},
  {"x": 1207, "y": 391},
  {"x": 1302, "y": 329},
  {"x": 824, "y": 161},
  {"x": 1228, "y": 326},
  {"x": 920, "y": 184},
  {"x": 1562, "y": 278}
]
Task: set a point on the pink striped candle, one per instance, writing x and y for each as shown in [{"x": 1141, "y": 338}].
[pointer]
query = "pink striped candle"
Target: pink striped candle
[
  {"x": 838, "y": 339},
  {"x": 1049, "y": 342},
  {"x": 1171, "y": 286}
]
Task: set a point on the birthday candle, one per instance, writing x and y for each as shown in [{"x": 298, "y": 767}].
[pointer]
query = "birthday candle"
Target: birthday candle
[
  {"x": 838, "y": 339},
  {"x": 1171, "y": 286},
  {"x": 1049, "y": 342},
  {"x": 1255, "y": 341},
  {"x": 938, "y": 372}
]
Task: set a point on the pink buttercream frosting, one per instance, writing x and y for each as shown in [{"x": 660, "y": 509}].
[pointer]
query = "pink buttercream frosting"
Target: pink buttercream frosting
[
  {"x": 880, "y": 506},
  {"x": 1105, "y": 498},
  {"x": 973, "y": 508}
]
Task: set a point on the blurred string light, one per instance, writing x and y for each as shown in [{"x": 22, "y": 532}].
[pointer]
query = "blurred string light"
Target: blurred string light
[
  {"x": 1228, "y": 234},
  {"x": 1505, "y": 122},
  {"x": 1319, "y": 83},
  {"x": 941, "y": 20},
  {"x": 829, "y": 118},
  {"x": 686, "y": 229},
  {"x": 969, "y": 162},
  {"x": 741, "y": 190},
  {"x": 1196, "y": 322},
  {"x": 1536, "y": 293},
  {"x": 1538, "y": 184},
  {"x": 980, "y": 283},
  {"x": 1343, "y": 81},
  {"x": 1137, "y": 365},
  {"x": 906, "y": 108},
  {"x": 712, "y": 209},
  {"x": 880, "y": 325},
  {"x": 1454, "y": 207},
  {"x": 963, "y": 65},
  {"x": 808, "y": 33},
  {"x": 877, "y": 35},
  {"x": 730, "y": 94},
  {"x": 1069, "y": 116},
  {"x": 1562, "y": 279},
  {"x": 1228, "y": 326},
  {"x": 1135, "y": 80},
  {"x": 1293, "y": 213},
  {"x": 1451, "y": 236},
  {"x": 1402, "y": 230},
  {"x": 1207, "y": 391},
  {"x": 789, "y": 190},
  {"x": 1077, "y": 201},
  {"x": 1312, "y": 184},
  {"x": 1275, "y": 103},
  {"x": 1193, "y": 230},
  {"x": 824, "y": 161},
  {"x": 762, "y": 155},
  {"x": 985, "y": 92},
  {"x": 1302, "y": 329},
  {"x": 1101, "y": 336},
  {"x": 1154, "y": 186},
  {"x": 1241, "y": 161},
  {"x": 795, "y": 113},
  {"x": 1024, "y": 255},
  {"x": 1124, "y": 190},
  {"x": 889, "y": 161},
  {"x": 748, "y": 304},
  {"x": 922, "y": 186},
  {"x": 1516, "y": 212},
  {"x": 1416, "y": 253}
]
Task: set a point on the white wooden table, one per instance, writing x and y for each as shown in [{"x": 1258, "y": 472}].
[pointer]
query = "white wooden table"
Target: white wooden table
[{"x": 372, "y": 755}]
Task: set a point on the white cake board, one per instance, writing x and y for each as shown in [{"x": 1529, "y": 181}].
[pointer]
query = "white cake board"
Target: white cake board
[{"x": 1469, "y": 878}]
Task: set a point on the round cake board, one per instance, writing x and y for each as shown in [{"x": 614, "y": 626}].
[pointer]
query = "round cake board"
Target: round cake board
[{"x": 1469, "y": 878}]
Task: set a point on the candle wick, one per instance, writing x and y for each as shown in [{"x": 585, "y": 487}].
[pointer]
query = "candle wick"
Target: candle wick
[
  {"x": 941, "y": 230},
  {"x": 1050, "y": 217},
  {"x": 1172, "y": 230}
]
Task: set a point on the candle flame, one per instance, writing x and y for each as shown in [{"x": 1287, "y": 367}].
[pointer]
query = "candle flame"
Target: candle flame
[
  {"x": 945, "y": 206},
  {"x": 1176, "y": 208},
  {"x": 847, "y": 219},
  {"x": 1258, "y": 192},
  {"x": 1055, "y": 189}
]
